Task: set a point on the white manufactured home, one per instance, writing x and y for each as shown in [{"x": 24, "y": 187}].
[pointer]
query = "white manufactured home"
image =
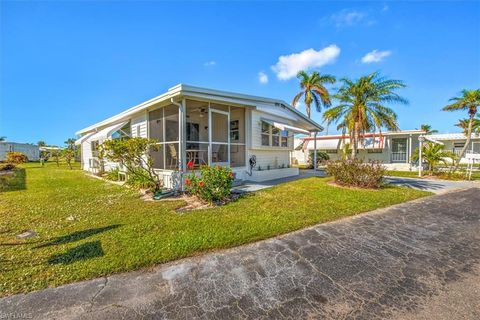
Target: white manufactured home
[
  {"x": 198, "y": 126},
  {"x": 30, "y": 150},
  {"x": 393, "y": 149}
]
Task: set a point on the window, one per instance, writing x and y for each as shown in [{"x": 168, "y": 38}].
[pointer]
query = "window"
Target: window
[
  {"x": 374, "y": 150},
  {"x": 331, "y": 151},
  {"x": 163, "y": 127},
  {"x": 122, "y": 133},
  {"x": 94, "y": 147},
  {"x": 284, "y": 137},
  {"x": 272, "y": 136},
  {"x": 265, "y": 134}
]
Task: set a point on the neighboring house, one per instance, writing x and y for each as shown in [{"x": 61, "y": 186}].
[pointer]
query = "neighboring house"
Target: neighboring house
[
  {"x": 394, "y": 149},
  {"x": 30, "y": 150},
  {"x": 204, "y": 126}
]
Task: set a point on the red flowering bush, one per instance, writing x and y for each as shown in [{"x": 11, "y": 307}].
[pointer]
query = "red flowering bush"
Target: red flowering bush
[
  {"x": 16, "y": 157},
  {"x": 214, "y": 183}
]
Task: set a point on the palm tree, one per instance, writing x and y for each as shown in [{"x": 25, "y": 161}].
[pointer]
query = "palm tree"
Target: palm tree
[
  {"x": 70, "y": 142},
  {"x": 41, "y": 143},
  {"x": 428, "y": 129},
  {"x": 463, "y": 124},
  {"x": 363, "y": 107},
  {"x": 469, "y": 100},
  {"x": 313, "y": 90},
  {"x": 3, "y": 138},
  {"x": 433, "y": 154}
]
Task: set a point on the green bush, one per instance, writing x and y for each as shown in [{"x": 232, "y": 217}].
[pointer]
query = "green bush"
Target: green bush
[
  {"x": 213, "y": 185},
  {"x": 139, "y": 178},
  {"x": 321, "y": 158},
  {"x": 16, "y": 157},
  {"x": 356, "y": 173},
  {"x": 112, "y": 174}
]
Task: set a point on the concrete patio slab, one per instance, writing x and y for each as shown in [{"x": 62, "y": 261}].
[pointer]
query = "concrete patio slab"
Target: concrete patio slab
[{"x": 398, "y": 262}]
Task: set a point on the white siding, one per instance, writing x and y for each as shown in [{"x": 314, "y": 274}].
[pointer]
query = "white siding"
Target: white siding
[
  {"x": 31, "y": 151},
  {"x": 139, "y": 126},
  {"x": 266, "y": 155}
]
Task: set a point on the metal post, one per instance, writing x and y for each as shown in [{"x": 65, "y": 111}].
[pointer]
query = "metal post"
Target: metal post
[
  {"x": 421, "y": 139},
  {"x": 315, "y": 151}
]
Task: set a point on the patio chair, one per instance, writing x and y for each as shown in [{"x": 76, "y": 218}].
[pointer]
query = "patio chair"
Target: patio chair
[{"x": 173, "y": 156}]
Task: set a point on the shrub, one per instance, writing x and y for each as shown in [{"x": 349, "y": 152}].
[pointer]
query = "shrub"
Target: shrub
[
  {"x": 134, "y": 155},
  {"x": 321, "y": 158},
  {"x": 7, "y": 166},
  {"x": 16, "y": 157},
  {"x": 356, "y": 173},
  {"x": 139, "y": 178},
  {"x": 112, "y": 174},
  {"x": 214, "y": 183}
]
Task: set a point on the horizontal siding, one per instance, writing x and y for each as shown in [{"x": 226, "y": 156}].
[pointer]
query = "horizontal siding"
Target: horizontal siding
[
  {"x": 272, "y": 158},
  {"x": 139, "y": 126}
]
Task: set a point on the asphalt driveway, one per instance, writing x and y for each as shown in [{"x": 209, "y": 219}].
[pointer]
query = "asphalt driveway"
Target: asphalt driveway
[{"x": 418, "y": 260}]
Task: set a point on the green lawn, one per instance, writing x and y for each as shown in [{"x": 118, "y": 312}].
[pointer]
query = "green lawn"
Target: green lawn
[{"x": 115, "y": 231}]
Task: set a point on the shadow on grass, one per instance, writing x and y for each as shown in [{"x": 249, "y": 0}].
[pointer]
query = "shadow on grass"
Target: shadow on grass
[
  {"x": 13, "y": 181},
  {"x": 84, "y": 251},
  {"x": 78, "y": 235}
]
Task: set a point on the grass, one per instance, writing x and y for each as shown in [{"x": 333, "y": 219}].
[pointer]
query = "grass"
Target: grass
[{"x": 115, "y": 231}]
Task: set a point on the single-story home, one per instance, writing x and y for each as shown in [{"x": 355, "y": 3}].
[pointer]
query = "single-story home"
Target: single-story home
[
  {"x": 252, "y": 135},
  {"x": 394, "y": 149},
  {"x": 30, "y": 150}
]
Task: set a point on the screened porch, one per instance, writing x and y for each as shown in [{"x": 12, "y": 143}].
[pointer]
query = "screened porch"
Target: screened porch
[{"x": 195, "y": 133}]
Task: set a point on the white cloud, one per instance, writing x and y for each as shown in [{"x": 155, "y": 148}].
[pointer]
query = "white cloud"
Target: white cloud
[
  {"x": 347, "y": 18},
  {"x": 209, "y": 63},
  {"x": 288, "y": 66},
  {"x": 262, "y": 77},
  {"x": 375, "y": 56}
]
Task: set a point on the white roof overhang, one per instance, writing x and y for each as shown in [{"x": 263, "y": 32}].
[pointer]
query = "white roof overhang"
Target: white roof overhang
[
  {"x": 106, "y": 133},
  {"x": 83, "y": 138}
]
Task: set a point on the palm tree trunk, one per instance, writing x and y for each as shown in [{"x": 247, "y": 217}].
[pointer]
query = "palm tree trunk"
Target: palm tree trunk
[
  {"x": 467, "y": 143},
  {"x": 355, "y": 141}
]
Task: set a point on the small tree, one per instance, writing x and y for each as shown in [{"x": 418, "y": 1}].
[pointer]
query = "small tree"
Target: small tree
[
  {"x": 55, "y": 153},
  {"x": 433, "y": 154},
  {"x": 68, "y": 155},
  {"x": 133, "y": 154}
]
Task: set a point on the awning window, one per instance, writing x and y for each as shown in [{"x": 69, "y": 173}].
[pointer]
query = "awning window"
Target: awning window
[{"x": 286, "y": 127}]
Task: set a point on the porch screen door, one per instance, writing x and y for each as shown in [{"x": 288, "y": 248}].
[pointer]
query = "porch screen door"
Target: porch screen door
[{"x": 219, "y": 132}]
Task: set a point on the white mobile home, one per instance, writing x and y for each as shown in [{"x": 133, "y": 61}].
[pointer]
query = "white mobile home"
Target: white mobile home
[
  {"x": 394, "y": 149},
  {"x": 199, "y": 126},
  {"x": 30, "y": 150}
]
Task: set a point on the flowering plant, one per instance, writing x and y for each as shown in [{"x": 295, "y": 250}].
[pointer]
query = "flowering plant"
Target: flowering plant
[{"x": 213, "y": 184}]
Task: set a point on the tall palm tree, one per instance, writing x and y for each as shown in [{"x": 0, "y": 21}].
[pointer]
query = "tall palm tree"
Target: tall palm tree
[
  {"x": 428, "y": 129},
  {"x": 463, "y": 124},
  {"x": 469, "y": 100},
  {"x": 313, "y": 90},
  {"x": 363, "y": 107}
]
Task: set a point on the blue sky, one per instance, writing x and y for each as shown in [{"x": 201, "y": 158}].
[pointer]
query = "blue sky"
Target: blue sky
[{"x": 66, "y": 65}]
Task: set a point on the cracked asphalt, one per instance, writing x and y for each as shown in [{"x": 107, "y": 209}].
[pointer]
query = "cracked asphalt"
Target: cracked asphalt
[{"x": 418, "y": 260}]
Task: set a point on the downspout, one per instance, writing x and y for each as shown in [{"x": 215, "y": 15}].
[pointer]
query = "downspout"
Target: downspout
[
  {"x": 180, "y": 139},
  {"x": 315, "y": 151}
]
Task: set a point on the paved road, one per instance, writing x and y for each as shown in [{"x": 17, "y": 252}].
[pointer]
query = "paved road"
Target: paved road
[
  {"x": 419, "y": 260},
  {"x": 435, "y": 186}
]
